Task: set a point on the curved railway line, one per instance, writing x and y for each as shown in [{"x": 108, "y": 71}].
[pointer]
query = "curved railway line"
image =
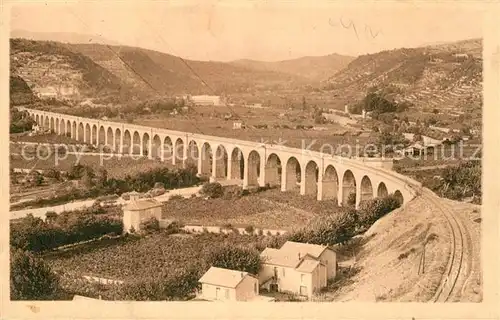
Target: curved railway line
[{"x": 459, "y": 262}]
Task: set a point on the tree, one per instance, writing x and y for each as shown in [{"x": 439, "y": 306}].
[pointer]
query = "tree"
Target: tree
[
  {"x": 304, "y": 104},
  {"x": 31, "y": 278},
  {"x": 101, "y": 177},
  {"x": 236, "y": 258},
  {"x": 212, "y": 190}
]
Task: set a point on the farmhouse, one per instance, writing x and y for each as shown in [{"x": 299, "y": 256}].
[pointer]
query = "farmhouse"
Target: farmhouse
[
  {"x": 219, "y": 284},
  {"x": 205, "y": 100},
  {"x": 237, "y": 125},
  {"x": 299, "y": 268},
  {"x": 138, "y": 211}
]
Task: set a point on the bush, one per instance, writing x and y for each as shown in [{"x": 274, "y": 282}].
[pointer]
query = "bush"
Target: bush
[
  {"x": 351, "y": 199},
  {"x": 175, "y": 197},
  {"x": 179, "y": 285},
  {"x": 236, "y": 258},
  {"x": 249, "y": 229},
  {"x": 212, "y": 190},
  {"x": 31, "y": 278},
  {"x": 333, "y": 229},
  {"x": 372, "y": 210},
  {"x": 150, "y": 225}
]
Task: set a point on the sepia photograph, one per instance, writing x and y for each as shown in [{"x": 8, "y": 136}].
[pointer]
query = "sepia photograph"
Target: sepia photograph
[{"x": 245, "y": 152}]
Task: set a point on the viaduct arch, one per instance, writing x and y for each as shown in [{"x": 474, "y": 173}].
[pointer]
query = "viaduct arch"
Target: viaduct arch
[{"x": 306, "y": 172}]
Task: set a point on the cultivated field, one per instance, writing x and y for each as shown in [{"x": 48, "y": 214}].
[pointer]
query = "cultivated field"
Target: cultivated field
[
  {"x": 269, "y": 209},
  {"x": 132, "y": 258}
]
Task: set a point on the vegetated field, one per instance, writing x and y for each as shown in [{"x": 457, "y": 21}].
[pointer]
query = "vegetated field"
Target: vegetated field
[
  {"x": 269, "y": 209},
  {"x": 117, "y": 167},
  {"x": 43, "y": 138},
  {"x": 383, "y": 264},
  {"x": 130, "y": 258}
]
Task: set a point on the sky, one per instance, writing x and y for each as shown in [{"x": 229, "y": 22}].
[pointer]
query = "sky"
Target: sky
[{"x": 259, "y": 30}]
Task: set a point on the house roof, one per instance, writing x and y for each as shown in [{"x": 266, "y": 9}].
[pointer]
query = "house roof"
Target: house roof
[
  {"x": 294, "y": 248},
  {"x": 223, "y": 277},
  {"x": 307, "y": 265},
  {"x": 280, "y": 258},
  {"x": 142, "y": 204}
]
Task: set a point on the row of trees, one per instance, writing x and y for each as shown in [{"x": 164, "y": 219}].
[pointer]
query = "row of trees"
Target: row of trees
[
  {"x": 341, "y": 227},
  {"x": 35, "y": 235},
  {"x": 96, "y": 183}
]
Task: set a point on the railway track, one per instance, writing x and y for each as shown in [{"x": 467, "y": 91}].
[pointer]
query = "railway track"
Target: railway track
[{"x": 458, "y": 265}]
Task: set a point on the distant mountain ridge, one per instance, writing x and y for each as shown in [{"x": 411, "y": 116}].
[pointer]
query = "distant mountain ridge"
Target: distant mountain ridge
[
  {"x": 315, "y": 68},
  {"x": 64, "y": 37}
]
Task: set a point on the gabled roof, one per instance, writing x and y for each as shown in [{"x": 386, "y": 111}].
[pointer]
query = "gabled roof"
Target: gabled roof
[
  {"x": 296, "y": 248},
  {"x": 280, "y": 258},
  {"x": 307, "y": 265},
  {"x": 224, "y": 277},
  {"x": 142, "y": 204}
]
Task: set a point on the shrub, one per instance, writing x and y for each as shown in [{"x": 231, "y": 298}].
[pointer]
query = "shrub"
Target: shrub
[
  {"x": 150, "y": 225},
  {"x": 351, "y": 199},
  {"x": 236, "y": 258},
  {"x": 329, "y": 230},
  {"x": 212, "y": 190},
  {"x": 249, "y": 229},
  {"x": 372, "y": 210},
  {"x": 175, "y": 197},
  {"x": 179, "y": 285},
  {"x": 31, "y": 278}
]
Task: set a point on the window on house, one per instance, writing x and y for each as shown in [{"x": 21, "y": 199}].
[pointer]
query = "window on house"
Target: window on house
[
  {"x": 227, "y": 293},
  {"x": 217, "y": 293},
  {"x": 275, "y": 272},
  {"x": 302, "y": 277},
  {"x": 283, "y": 272},
  {"x": 255, "y": 287}
]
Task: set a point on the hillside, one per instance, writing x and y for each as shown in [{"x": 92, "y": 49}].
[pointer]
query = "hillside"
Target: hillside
[
  {"x": 166, "y": 73},
  {"x": 88, "y": 70},
  {"x": 20, "y": 92},
  {"x": 48, "y": 67},
  {"x": 444, "y": 76},
  {"x": 313, "y": 68},
  {"x": 385, "y": 263}
]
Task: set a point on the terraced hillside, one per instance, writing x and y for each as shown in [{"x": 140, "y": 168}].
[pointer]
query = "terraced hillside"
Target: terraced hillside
[
  {"x": 51, "y": 68},
  {"x": 445, "y": 76}
]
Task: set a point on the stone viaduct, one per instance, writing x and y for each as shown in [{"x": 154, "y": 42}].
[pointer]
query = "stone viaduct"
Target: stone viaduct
[{"x": 256, "y": 164}]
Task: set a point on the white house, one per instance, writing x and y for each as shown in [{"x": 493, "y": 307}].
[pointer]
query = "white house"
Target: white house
[
  {"x": 219, "y": 284},
  {"x": 237, "y": 125},
  {"x": 138, "y": 211},
  {"x": 299, "y": 268},
  {"x": 205, "y": 100}
]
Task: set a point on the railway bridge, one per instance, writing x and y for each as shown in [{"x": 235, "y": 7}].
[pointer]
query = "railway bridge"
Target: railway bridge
[{"x": 256, "y": 164}]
